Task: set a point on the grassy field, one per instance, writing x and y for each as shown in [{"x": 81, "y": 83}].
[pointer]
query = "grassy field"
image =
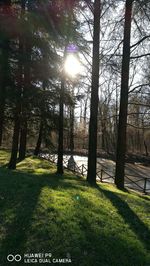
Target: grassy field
[{"x": 41, "y": 212}]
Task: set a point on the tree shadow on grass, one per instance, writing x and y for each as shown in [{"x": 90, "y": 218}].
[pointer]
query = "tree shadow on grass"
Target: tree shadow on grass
[
  {"x": 129, "y": 216},
  {"x": 20, "y": 195},
  {"x": 103, "y": 246}
]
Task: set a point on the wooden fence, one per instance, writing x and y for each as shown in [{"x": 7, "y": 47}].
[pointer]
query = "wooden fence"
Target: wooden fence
[{"x": 131, "y": 181}]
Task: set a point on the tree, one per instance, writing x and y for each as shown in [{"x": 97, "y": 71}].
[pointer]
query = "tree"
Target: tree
[
  {"x": 26, "y": 51},
  {"x": 70, "y": 36},
  {"x": 92, "y": 152},
  {"x": 17, "y": 114},
  {"x": 5, "y": 13},
  {"x": 18, "y": 101},
  {"x": 121, "y": 141},
  {"x": 4, "y": 82},
  {"x": 27, "y": 81},
  {"x": 61, "y": 129}
]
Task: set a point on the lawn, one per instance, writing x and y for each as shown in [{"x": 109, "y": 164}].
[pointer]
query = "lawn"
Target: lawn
[{"x": 41, "y": 212}]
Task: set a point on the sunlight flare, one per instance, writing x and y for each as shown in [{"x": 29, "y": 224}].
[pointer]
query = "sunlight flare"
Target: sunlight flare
[{"x": 72, "y": 66}]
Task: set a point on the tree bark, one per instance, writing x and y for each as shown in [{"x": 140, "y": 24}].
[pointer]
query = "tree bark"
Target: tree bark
[
  {"x": 61, "y": 125},
  {"x": 4, "y": 77},
  {"x": 23, "y": 139},
  {"x": 72, "y": 129},
  {"x": 146, "y": 148},
  {"x": 13, "y": 159},
  {"x": 39, "y": 141},
  {"x": 25, "y": 93},
  {"x": 121, "y": 141},
  {"x": 15, "y": 141},
  {"x": 92, "y": 153}
]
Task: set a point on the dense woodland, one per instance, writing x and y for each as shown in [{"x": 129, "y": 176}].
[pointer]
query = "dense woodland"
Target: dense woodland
[{"x": 105, "y": 108}]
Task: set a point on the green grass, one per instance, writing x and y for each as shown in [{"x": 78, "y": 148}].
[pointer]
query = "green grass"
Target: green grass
[{"x": 44, "y": 212}]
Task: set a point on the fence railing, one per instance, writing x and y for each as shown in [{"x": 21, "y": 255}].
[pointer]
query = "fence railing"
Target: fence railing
[
  {"x": 141, "y": 184},
  {"x": 131, "y": 181}
]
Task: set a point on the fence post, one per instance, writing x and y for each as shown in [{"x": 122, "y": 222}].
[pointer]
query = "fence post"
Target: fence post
[
  {"x": 82, "y": 169},
  {"x": 144, "y": 190},
  {"x": 101, "y": 178}
]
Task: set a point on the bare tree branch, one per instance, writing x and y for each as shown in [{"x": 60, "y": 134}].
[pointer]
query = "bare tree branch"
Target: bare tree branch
[
  {"x": 137, "y": 43},
  {"x": 148, "y": 127},
  {"x": 139, "y": 86},
  {"x": 142, "y": 104},
  {"x": 139, "y": 56}
]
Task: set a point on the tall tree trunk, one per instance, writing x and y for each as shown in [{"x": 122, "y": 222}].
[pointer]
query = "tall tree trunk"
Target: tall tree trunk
[
  {"x": 4, "y": 77},
  {"x": 61, "y": 125},
  {"x": 146, "y": 148},
  {"x": 23, "y": 139},
  {"x": 13, "y": 159},
  {"x": 25, "y": 93},
  {"x": 15, "y": 141},
  {"x": 71, "y": 129},
  {"x": 39, "y": 141},
  {"x": 116, "y": 122},
  {"x": 121, "y": 141},
  {"x": 3, "y": 81},
  {"x": 144, "y": 141},
  {"x": 42, "y": 122},
  {"x": 92, "y": 153},
  {"x": 25, "y": 89}
]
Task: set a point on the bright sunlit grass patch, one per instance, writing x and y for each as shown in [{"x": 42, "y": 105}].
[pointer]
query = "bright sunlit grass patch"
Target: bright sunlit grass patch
[
  {"x": 44, "y": 212},
  {"x": 4, "y": 157}
]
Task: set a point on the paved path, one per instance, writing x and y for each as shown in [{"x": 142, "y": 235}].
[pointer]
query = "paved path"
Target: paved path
[{"x": 135, "y": 172}]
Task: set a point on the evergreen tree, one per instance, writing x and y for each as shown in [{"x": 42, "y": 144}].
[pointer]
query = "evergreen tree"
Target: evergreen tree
[{"x": 92, "y": 152}]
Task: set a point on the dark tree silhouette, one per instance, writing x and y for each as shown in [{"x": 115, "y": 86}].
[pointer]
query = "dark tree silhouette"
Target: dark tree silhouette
[
  {"x": 25, "y": 98},
  {"x": 61, "y": 126},
  {"x": 23, "y": 139},
  {"x": 3, "y": 83},
  {"x": 92, "y": 154},
  {"x": 121, "y": 142},
  {"x": 17, "y": 114},
  {"x": 18, "y": 102},
  {"x": 5, "y": 11},
  {"x": 39, "y": 140}
]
